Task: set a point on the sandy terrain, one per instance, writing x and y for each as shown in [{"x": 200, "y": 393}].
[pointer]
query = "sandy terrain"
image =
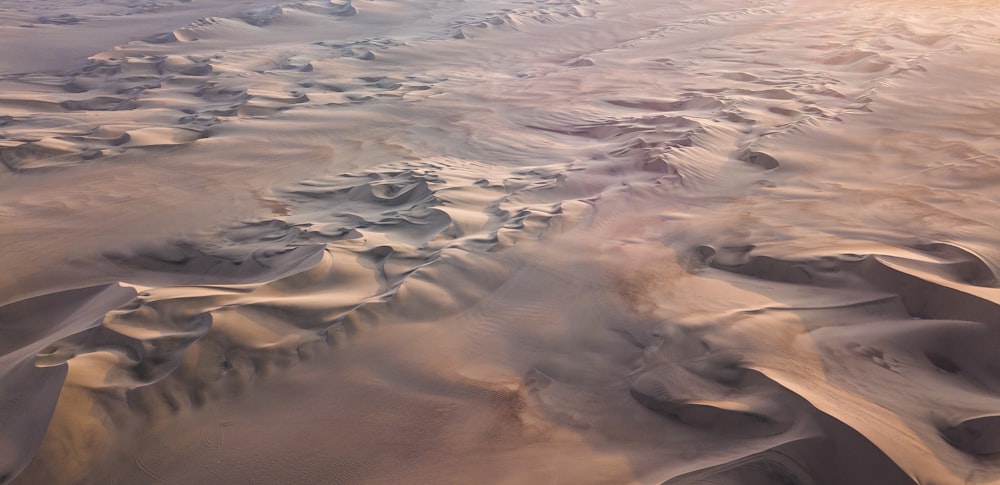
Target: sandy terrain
[{"x": 501, "y": 241}]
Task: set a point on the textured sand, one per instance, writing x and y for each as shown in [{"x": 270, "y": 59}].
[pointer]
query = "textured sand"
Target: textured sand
[{"x": 503, "y": 241}]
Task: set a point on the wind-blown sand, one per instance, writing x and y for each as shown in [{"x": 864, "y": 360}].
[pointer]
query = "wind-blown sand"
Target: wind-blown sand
[{"x": 504, "y": 241}]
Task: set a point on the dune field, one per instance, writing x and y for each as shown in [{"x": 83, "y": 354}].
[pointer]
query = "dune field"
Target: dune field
[{"x": 500, "y": 242}]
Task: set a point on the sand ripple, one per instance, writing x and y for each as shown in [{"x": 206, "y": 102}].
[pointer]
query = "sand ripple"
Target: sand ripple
[{"x": 565, "y": 241}]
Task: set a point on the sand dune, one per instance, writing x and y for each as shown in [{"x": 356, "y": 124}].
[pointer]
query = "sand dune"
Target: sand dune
[{"x": 562, "y": 241}]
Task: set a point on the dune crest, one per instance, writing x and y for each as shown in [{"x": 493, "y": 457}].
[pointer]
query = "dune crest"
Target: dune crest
[{"x": 562, "y": 241}]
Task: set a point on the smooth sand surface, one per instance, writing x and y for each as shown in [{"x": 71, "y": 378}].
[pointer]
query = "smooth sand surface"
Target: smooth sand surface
[{"x": 501, "y": 241}]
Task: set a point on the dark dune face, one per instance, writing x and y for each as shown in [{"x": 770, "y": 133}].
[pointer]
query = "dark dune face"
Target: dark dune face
[{"x": 611, "y": 241}]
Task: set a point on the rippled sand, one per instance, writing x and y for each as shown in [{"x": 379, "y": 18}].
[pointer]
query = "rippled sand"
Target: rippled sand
[{"x": 504, "y": 241}]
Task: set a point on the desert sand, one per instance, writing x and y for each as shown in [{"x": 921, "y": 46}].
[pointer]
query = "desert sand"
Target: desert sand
[{"x": 500, "y": 241}]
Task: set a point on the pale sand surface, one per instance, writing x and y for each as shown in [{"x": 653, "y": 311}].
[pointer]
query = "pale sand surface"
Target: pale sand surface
[{"x": 500, "y": 241}]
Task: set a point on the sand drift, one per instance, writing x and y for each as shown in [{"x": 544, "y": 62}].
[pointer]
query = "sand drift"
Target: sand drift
[{"x": 509, "y": 241}]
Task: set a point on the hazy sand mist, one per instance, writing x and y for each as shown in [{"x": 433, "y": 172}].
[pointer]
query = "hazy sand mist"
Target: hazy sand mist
[{"x": 525, "y": 241}]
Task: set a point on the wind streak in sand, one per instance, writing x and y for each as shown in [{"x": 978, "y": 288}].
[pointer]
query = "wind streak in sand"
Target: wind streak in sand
[{"x": 507, "y": 242}]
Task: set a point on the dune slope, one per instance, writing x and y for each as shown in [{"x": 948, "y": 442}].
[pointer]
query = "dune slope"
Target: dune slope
[{"x": 510, "y": 241}]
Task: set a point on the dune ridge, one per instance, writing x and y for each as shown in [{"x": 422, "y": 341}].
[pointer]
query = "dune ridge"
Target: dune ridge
[{"x": 580, "y": 241}]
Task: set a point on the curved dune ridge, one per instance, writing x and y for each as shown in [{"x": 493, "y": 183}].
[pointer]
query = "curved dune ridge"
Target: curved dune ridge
[{"x": 509, "y": 241}]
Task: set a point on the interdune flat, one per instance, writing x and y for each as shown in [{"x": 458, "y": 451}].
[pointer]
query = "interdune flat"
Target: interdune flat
[{"x": 503, "y": 241}]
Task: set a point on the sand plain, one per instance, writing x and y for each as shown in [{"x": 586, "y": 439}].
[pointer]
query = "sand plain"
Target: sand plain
[{"x": 508, "y": 241}]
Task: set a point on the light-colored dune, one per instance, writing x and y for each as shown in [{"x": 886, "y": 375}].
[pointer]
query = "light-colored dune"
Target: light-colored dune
[{"x": 504, "y": 241}]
